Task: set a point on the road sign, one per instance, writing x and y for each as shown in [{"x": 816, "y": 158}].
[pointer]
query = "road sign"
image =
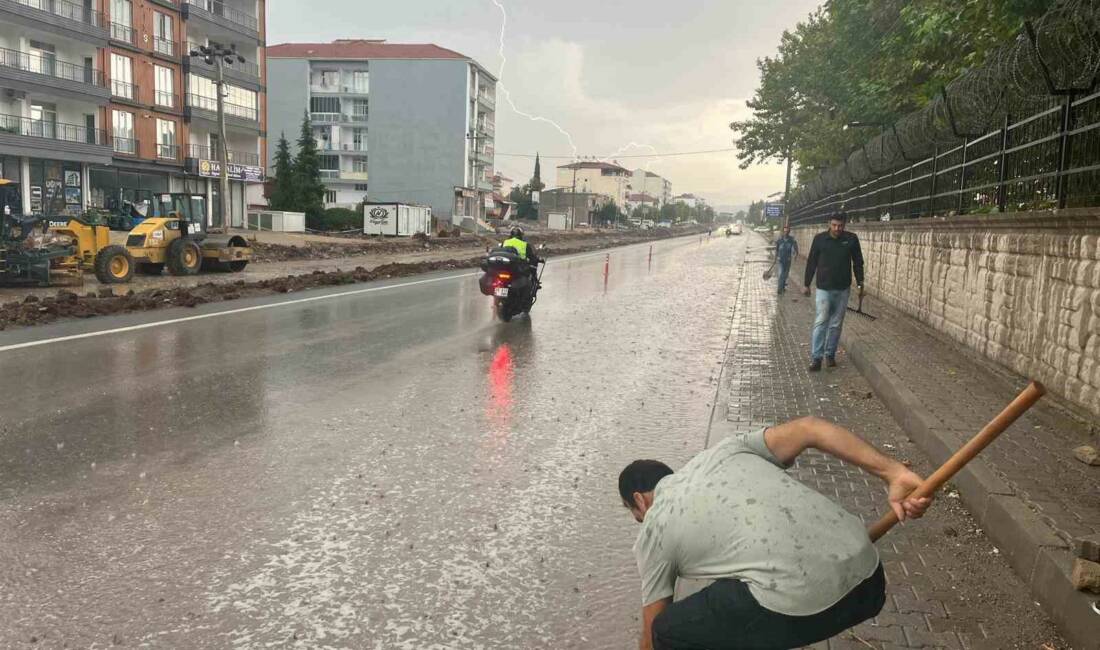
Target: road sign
[{"x": 773, "y": 210}]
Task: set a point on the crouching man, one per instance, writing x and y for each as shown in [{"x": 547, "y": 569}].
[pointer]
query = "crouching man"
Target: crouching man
[{"x": 791, "y": 567}]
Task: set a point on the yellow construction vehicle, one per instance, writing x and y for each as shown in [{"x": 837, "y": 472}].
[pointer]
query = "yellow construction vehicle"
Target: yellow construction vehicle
[
  {"x": 111, "y": 263},
  {"x": 178, "y": 241}
]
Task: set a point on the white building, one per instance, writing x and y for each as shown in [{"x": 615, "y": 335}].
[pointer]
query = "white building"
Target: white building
[
  {"x": 646, "y": 182},
  {"x": 690, "y": 200},
  {"x": 604, "y": 178}
]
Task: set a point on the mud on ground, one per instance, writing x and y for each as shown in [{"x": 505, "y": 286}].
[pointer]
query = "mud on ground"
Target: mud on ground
[{"x": 35, "y": 309}]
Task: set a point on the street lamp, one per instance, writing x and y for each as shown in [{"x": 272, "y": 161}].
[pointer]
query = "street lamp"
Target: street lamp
[
  {"x": 217, "y": 55},
  {"x": 472, "y": 135}
]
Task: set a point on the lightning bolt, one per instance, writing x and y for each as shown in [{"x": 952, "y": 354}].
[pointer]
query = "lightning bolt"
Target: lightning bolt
[{"x": 508, "y": 94}]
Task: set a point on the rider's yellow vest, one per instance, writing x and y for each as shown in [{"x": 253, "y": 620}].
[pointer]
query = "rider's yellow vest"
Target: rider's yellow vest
[{"x": 518, "y": 244}]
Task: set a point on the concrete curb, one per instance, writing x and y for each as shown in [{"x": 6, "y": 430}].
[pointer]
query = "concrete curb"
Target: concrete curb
[{"x": 1038, "y": 556}]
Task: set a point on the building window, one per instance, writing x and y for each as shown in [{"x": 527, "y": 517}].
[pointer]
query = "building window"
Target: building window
[
  {"x": 165, "y": 86},
  {"x": 326, "y": 79},
  {"x": 44, "y": 120},
  {"x": 43, "y": 58},
  {"x": 360, "y": 187},
  {"x": 324, "y": 105},
  {"x": 122, "y": 21},
  {"x": 330, "y": 196},
  {"x": 163, "y": 40},
  {"x": 359, "y": 140},
  {"x": 359, "y": 165},
  {"x": 166, "y": 140},
  {"x": 122, "y": 127},
  {"x": 360, "y": 81},
  {"x": 359, "y": 107},
  {"x": 239, "y": 102},
  {"x": 122, "y": 76}
]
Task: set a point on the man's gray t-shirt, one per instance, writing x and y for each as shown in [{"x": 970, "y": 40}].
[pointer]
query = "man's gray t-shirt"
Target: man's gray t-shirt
[{"x": 732, "y": 512}]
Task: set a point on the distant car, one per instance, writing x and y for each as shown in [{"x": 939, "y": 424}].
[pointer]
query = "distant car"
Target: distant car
[
  {"x": 664, "y": 224},
  {"x": 762, "y": 230},
  {"x": 583, "y": 225}
]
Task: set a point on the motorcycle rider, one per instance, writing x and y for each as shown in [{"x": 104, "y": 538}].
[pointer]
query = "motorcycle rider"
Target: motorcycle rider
[{"x": 518, "y": 242}]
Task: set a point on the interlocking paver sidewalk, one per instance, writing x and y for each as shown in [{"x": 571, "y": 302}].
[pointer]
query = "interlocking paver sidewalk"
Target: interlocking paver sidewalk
[{"x": 949, "y": 587}]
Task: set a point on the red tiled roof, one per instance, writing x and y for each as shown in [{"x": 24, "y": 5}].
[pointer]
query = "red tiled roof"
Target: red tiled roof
[
  {"x": 592, "y": 165},
  {"x": 361, "y": 49}
]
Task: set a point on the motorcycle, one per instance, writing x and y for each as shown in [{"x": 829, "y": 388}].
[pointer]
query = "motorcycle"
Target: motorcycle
[{"x": 510, "y": 282}]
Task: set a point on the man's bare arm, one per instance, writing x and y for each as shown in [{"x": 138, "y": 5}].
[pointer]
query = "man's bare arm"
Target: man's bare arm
[
  {"x": 789, "y": 440},
  {"x": 650, "y": 613}
]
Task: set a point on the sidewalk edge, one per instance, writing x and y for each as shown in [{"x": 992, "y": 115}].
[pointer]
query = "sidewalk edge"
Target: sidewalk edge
[{"x": 1037, "y": 555}]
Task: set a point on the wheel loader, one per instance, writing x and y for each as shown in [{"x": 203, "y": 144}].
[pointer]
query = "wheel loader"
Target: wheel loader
[
  {"x": 91, "y": 237},
  {"x": 179, "y": 242}
]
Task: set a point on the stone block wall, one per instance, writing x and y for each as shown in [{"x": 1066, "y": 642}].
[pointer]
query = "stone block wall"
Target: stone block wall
[{"x": 1022, "y": 289}]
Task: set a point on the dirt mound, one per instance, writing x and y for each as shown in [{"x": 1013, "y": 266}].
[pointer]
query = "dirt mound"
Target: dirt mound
[{"x": 35, "y": 310}]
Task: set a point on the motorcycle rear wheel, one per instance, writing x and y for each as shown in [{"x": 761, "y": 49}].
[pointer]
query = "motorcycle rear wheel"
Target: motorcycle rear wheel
[{"x": 504, "y": 313}]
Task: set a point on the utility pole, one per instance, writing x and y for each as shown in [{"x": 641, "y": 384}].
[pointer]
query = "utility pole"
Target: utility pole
[
  {"x": 477, "y": 168},
  {"x": 217, "y": 55},
  {"x": 573, "y": 200},
  {"x": 787, "y": 192}
]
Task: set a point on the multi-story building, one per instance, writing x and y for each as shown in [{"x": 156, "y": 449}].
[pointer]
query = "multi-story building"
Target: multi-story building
[
  {"x": 100, "y": 104},
  {"x": 690, "y": 200},
  {"x": 597, "y": 178},
  {"x": 395, "y": 122},
  {"x": 641, "y": 200},
  {"x": 646, "y": 182}
]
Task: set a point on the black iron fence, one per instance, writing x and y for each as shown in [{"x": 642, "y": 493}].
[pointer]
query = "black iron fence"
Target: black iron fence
[
  {"x": 199, "y": 151},
  {"x": 1048, "y": 160},
  {"x": 66, "y": 9},
  {"x": 24, "y": 126},
  {"x": 51, "y": 67}
]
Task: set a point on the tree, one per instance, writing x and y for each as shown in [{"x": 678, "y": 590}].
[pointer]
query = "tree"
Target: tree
[
  {"x": 283, "y": 196},
  {"x": 608, "y": 213},
  {"x": 309, "y": 191},
  {"x": 525, "y": 207},
  {"x": 872, "y": 61}
]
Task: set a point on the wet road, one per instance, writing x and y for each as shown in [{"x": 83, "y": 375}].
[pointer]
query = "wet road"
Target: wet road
[{"x": 386, "y": 468}]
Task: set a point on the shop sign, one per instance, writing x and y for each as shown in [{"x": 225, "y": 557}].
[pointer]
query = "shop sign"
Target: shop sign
[
  {"x": 465, "y": 192},
  {"x": 248, "y": 173}
]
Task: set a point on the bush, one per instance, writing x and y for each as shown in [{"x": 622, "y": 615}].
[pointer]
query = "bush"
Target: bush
[{"x": 336, "y": 219}]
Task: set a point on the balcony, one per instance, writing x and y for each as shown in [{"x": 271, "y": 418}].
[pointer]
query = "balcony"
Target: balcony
[
  {"x": 203, "y": 152},
  {"x": 165, "y": 47},
  {"x": 339, "y": 89},
  {"x": 124, "y": 34},
  {"x": 166, "y": 99},
  {"x": 354, "y": 147},
  {"x": 487, "y": 129},
  {"x": 324, "y": 118},
  {"x": 58, "y": 16},
  {"x": 201, "y": 107},
  {"x": 123, "y": 90},
  {"x": 331, "y": 174},
  {"x": 219, "y": 14},
  {"x": 49, "y": 76},
  {"x": 247, "y": 74},
  {"x": 487, "y": 101},
  {"x": 170, "y": 152},
  {"x": 126, "y": 146}
]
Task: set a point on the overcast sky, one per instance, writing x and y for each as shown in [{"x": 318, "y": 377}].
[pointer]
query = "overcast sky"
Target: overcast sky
[{"x": 669, "y": 74}]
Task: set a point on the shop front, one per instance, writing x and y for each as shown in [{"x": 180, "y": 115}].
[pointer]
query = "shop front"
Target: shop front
[{"x": 208, "y": 172}]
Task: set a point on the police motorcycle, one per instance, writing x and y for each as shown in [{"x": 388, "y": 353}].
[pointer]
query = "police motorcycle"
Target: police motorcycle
[{"x": 509, "y": 279}]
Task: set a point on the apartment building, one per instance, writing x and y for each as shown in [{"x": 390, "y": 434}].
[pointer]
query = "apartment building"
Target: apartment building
[
  {"x": 101, "y": 104},
  {"x": 605, "y": 178},
  {"x": 395, "y": 122},
  {"x": 646, "y": 182}
]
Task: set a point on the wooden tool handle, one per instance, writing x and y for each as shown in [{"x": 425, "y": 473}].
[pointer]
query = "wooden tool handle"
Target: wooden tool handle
[{"x": 964, "y": 455}]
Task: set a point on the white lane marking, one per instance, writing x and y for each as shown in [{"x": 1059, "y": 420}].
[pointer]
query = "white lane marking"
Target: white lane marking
[{"x": 227, "y": 312}]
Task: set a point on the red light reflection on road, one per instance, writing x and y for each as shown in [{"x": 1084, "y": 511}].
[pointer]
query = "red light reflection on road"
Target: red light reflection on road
[{"x": 499, "y": 408}]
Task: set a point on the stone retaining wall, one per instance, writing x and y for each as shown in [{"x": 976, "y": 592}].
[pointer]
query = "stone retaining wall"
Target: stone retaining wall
[{"x": 1022, "y": 289}]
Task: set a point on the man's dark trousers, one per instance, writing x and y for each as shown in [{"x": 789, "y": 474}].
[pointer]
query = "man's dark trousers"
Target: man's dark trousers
[{"x": 726, "y": 615}]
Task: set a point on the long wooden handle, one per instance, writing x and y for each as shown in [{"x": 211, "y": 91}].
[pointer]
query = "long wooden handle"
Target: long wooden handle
[{"x": 966, "y": 453}]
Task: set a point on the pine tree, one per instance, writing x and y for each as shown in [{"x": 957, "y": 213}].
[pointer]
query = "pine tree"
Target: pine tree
[
  {"x": 283, "y": 194},
  {"x": 309, "y": 191}
]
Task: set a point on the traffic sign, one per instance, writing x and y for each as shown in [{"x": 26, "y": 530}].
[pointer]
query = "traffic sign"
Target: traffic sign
[{"x": 773, "y": 210}]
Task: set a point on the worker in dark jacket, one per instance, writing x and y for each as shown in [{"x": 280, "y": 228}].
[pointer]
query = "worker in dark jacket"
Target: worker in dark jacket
[{"x": 834, "y": 256}]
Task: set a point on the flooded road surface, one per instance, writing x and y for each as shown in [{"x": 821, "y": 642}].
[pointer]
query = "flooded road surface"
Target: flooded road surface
[{"x": 387, "y": 468}]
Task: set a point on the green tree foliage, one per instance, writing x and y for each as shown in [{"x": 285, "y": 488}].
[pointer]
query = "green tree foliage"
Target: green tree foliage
[
  {"x": 525, "y": 207},
  {"x": 871, "y": 61},
  {"x": 308, "y": 188},
  {"x": 283, "y": 195}
]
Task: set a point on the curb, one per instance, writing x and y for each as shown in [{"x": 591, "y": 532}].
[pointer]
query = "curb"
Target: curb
[{"x": 1039, "y": 557}]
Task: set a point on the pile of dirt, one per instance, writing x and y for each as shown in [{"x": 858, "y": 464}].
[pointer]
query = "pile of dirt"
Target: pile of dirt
[{"x": 35, "y": 310}]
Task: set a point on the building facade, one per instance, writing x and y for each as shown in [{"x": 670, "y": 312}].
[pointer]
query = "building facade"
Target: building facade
[
  {"x": 100, "y": 104},
  {"x": 394, "y": 122},
  {"x": 580, "y": 206},
  {"x": 690, "y": 200},
  {"x": 605, "y": 178},
  {"x": 646, "y": 182}
]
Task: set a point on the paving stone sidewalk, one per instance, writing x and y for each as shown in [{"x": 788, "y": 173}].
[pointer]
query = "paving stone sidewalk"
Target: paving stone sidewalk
[{"x": 949, "y": 587}]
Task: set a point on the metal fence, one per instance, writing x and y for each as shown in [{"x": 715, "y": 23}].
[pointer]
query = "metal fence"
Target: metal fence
[
  {"x": 1019, "y": 132},
  {"x": 1048, "y": 160}
]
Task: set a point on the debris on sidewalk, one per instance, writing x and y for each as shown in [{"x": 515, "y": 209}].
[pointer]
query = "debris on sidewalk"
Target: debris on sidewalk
[{"x": 1087, "y": 454}]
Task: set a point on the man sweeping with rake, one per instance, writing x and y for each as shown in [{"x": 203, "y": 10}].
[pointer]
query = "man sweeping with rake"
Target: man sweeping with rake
[{"x": 791, "y": 567}]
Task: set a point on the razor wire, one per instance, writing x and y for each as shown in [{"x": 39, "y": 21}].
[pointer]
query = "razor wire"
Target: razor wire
[{"x": 1057, "y": 54}]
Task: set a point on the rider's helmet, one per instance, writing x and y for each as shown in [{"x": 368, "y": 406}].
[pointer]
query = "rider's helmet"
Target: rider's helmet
[{"x": 517, "y": 232}]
